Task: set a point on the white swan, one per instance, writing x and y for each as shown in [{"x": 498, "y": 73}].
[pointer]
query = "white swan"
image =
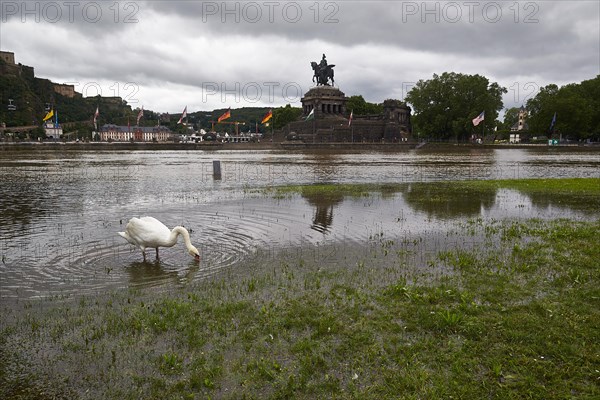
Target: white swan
[{"x": 150, "y": 232}]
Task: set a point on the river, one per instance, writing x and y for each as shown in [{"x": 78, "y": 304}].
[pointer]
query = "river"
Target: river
[{"x": 61, "y": 209}]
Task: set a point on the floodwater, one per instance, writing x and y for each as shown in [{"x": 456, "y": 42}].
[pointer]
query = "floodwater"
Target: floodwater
[{"x": 60, "y": 210}]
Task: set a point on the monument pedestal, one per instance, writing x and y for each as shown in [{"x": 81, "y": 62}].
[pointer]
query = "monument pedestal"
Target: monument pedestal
[{"x": 326, "y": 101}]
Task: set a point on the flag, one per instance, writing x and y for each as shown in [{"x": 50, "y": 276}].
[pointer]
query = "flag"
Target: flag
[
  {"x": 479, "y": 118},
  {"x": 140, "y": 115},
  {"x": 183, "y": 115},
  {"x": 553, "y": 121},
  {"x": 350, "y": 119},
  {"x": 96, "y": 114},
  {"x": 267, "y": 117},
  {"x": 225, "y": 115},
  {"x": 49, "y": 115},
  {"x": 311, "y": 115}
]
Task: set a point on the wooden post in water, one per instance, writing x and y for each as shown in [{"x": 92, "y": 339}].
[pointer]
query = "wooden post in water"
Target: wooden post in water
[{"x": 216, "y": 169}]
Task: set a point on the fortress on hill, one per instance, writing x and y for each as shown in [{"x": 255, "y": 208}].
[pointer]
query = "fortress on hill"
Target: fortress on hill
[
  {"x": 325, "y": 117},
  {"x": 9, "y": 67}
]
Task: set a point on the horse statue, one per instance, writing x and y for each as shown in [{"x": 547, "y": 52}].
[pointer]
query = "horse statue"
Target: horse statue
[{"x": 323, "y": 74}]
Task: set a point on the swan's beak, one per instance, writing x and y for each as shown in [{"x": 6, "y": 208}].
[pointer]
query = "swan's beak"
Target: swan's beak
[{"x": 197, "y": 257}]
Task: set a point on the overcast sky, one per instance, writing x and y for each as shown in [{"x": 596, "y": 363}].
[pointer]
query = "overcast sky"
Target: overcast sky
[{"x": 166, "y": 55}]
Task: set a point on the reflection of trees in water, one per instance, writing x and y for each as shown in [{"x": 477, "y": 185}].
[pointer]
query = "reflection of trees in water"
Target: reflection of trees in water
[
  {"x": 24, "y": 199},
  {"x": 448, "y": 200},
  {"x": 35, "y": 185},
  {"x": 324, "y": 204},
  {"x": 564, "y": 201}
]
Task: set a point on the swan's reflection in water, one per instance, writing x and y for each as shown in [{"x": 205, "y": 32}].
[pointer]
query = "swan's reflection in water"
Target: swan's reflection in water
[{"x": 157, "y": 273}]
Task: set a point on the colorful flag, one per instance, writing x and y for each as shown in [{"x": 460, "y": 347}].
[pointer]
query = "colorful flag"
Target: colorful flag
[
  {"x": 96, "y": 114},
  {"x": 267, "y": 117},
  {"x": 553, "y": 121},
  {"x": 140, "y": 115},
  {"x": 183, "y": 115},
  {"x": 311, "y": 115},
  {"x": 49, "y": 115},
  {"x": 350, "y": 119},
  {"x": 479, "y": 118},
  {"x": 225, "y": 115}
]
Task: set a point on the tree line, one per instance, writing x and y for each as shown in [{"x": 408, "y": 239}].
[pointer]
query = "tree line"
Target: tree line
[
  {"x": 444, "y": 107},
  {"x": 577, "y": 108}
]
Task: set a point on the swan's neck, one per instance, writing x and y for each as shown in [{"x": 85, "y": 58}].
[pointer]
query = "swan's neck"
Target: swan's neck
[{"x": 179, "y": 230}]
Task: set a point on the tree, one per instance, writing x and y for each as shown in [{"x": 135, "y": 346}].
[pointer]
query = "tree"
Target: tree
[
  {"x": 38, "y": 133},
  {"x": 541, "y": 109},
  {"x": 445, "y": 105},
  {"x": 358, "y": 106},
  {"x": 284, "y": 115},
  {"x": 511, "y": 117},
  {"x": 576, "y": 107}
]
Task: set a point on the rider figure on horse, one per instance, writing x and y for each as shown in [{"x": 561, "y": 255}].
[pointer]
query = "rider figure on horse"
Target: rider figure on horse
[{"x": 323, "y": 72}]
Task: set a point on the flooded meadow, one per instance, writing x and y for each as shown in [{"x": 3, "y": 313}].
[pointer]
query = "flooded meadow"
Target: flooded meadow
[
  {"x": 457, "y": 273},
  {"x": 61, "y": 210}
]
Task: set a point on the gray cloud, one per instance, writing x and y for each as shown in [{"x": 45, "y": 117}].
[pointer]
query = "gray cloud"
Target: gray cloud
[{"x": 380, "y": 48}]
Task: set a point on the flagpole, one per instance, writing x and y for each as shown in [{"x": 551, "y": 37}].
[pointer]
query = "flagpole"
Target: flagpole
[
  {"x": 483, "y": 132},
  {"x": 351, "y": 126}
]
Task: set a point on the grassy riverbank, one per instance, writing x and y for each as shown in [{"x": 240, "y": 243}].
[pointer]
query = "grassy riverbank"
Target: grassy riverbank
[{"x": 514, "y": 315}]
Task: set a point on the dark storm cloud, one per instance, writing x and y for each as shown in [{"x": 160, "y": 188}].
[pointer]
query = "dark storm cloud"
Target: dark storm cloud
[
  {"x": 544, "y": 34},
  {"x": 380, "y": 48}
]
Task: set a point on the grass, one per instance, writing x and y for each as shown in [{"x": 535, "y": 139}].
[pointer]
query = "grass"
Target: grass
[{"x": 514, "y": 317}]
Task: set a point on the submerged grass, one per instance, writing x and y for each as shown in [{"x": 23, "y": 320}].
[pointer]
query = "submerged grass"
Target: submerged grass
[{"x": 516, "y": 319}]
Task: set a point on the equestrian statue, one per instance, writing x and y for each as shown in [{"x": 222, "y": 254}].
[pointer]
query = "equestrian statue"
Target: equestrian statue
[{"x": 323, "y": 72}]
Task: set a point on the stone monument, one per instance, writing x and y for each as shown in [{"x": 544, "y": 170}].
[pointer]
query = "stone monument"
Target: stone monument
[{"x": 325, "y": 117}]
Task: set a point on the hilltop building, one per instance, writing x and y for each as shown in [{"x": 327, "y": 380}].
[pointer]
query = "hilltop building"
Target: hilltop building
[
  {"x": 66, "y": 90},
  {"x": 8, "y": 66},
  {"x": 8, "y": 57},
  {"x": 119, "y": 133}
]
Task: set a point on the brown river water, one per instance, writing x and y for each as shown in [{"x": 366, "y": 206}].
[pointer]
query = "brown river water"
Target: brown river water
[{"x": 60, "y": 210}]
